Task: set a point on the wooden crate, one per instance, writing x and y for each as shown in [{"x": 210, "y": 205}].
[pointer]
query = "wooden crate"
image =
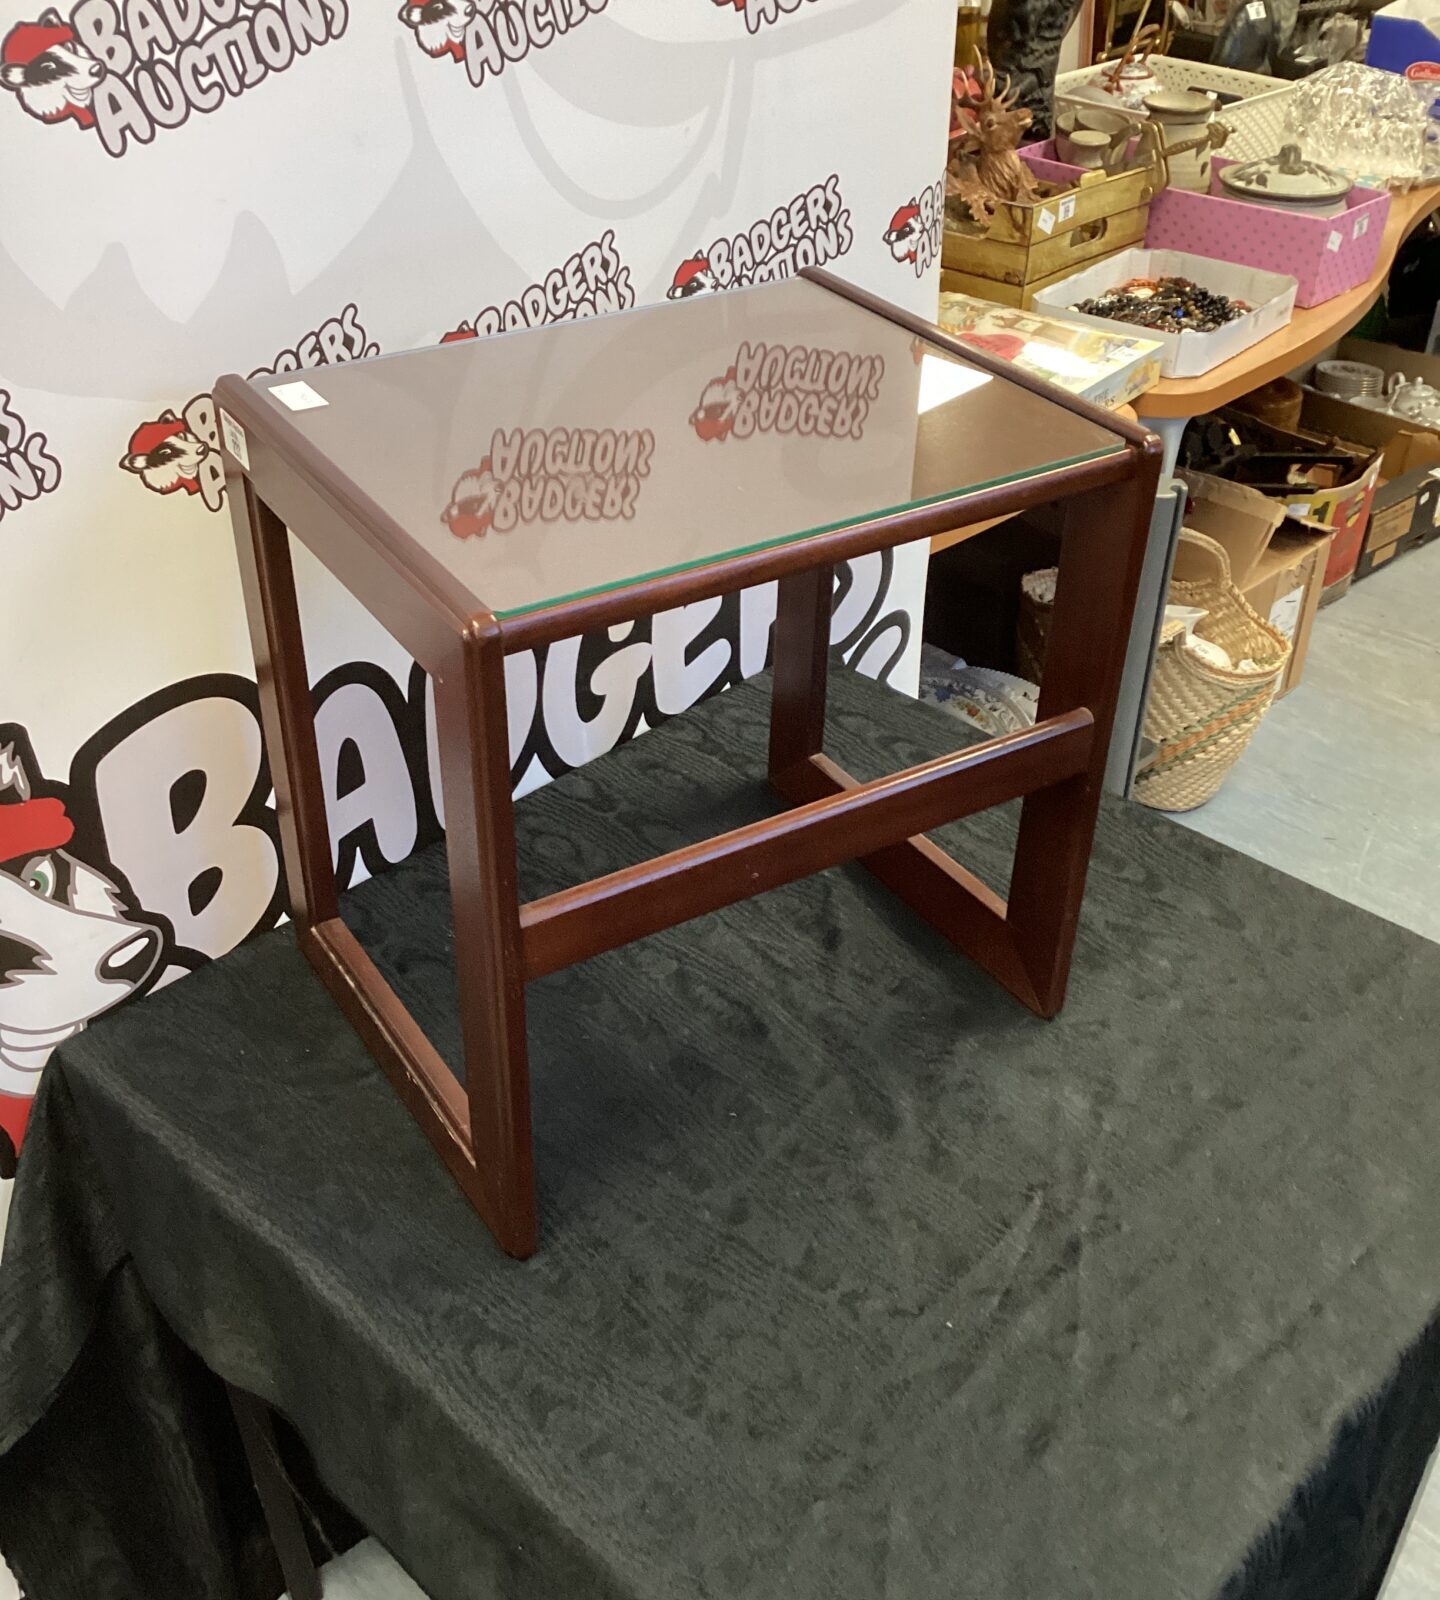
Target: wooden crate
[
  {"x": 1029, "y": 246},
  {"x": 1109, "y": 236}
]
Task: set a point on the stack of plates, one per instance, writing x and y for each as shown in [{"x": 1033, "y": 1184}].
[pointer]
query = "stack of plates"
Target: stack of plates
[{"x": 1349, "y": 380}]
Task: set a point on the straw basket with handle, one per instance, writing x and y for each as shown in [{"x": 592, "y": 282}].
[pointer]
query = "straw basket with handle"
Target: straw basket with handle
[{"x": 1202, "y": 715}]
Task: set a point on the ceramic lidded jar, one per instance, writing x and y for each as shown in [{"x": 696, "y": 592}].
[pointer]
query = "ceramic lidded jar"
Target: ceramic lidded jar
[
  {"x": 1288, "y": 182},
  {"x": 1185, "y": 115}
]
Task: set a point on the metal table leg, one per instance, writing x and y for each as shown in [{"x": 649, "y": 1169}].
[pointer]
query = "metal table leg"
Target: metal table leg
[
  {"x": 1165, "y": 521},
  {"x": 1171, "y": 431}
]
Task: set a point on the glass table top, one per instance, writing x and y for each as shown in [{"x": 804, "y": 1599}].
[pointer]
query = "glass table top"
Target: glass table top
[{"x": 548, "y": 464}]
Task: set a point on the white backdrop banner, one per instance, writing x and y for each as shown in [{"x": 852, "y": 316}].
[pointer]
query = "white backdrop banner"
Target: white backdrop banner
[{"x": 199, "y": 186}]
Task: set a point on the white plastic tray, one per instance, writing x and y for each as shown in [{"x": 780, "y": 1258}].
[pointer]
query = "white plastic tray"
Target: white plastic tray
[
  {"x": 1256, "y": 121},
  {"x": 1183, "y": 355}
]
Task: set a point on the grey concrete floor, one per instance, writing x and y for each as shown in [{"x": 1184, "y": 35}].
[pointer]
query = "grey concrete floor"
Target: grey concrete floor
[
  {"x": 368, "y": 1573},
  {"x": 1415, "y": 1572},
  {"x": 1341, "y": 784}
]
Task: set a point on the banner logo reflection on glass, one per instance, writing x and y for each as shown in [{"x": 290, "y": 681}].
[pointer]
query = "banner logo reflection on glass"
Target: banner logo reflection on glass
[
  {"x": 776, "y": 388},
  {"x": 551, "y": 475}
]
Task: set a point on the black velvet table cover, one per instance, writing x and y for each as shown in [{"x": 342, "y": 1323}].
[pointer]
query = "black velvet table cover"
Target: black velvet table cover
[{"x": 856, "y": 1280}]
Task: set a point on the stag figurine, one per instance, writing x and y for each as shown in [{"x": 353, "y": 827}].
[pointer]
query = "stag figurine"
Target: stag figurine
[{"x": 984, "y": 172}]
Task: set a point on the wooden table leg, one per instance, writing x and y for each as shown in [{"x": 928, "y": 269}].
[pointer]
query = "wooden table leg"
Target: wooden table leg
[
  {"x": 1026, "y": 940},
  {"x": 277, "y": 1500},
  {"x": 494, "y": 1164},
  {"x": 1101, "y": 556},
  {"x": 287, "y": 715},
  {"x": 802, "y": 647},
  {"x": 480, "y": 841}
]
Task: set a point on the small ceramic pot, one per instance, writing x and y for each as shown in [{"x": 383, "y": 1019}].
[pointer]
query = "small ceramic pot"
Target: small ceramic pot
[
  {"x": 1097, "y": 130},
  {"x": 1087, "y": 148},
  {"x": 1288, "y": 182}
]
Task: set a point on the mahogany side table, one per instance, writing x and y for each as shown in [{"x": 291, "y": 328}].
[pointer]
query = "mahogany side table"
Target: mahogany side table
[{"x": 488, "y": 496}]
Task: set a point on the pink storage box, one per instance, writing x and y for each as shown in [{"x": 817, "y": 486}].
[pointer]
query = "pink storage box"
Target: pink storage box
[{"x": 1325, "y": 255}]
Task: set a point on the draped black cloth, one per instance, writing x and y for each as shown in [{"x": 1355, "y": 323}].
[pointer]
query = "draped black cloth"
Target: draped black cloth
[{"x": 856, "y": 1280}]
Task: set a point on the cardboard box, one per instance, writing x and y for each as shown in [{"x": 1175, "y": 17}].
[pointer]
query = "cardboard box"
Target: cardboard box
[
  {"x": 1183, "y": 355},
  {"x": 1406, "y": 515},
  {"x": 1346, "y": 514},
  {"x": 1241, "y": 519},
  {"x": 1427, "y": 510},
  {"x": 1408, "y": 453},
  {"x": 1407, "y": 503},
  {"x": 1373, "y": 560},
  {"x": 1344, "y": 506},
  {"x": 1394, "y": 510},
  {"x": 1407, "y": 446},
  {"x": 1099, "y": 367},
  {"x": 1285, "y": 588},
  {"x": 1404, "y": 446},
  {"x": 1327, "y": 255}
]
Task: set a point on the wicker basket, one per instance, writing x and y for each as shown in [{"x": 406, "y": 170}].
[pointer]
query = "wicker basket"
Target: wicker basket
[
  {"x": 1200, "y": 716},
  {"x": 1256, "y": 120}
]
